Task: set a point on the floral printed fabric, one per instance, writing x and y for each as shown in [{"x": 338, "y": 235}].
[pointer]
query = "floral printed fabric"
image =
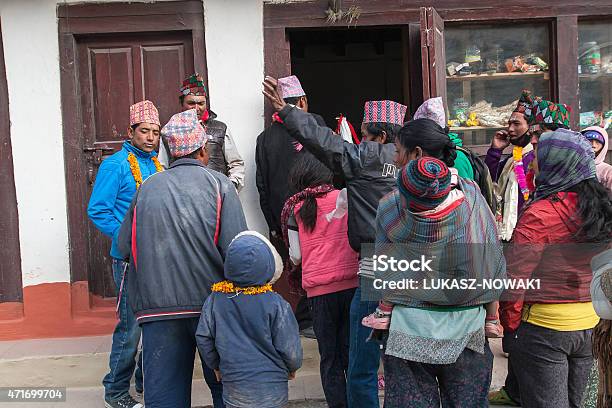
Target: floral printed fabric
[
  {"x": 184, "y": 133},
  {"x": 144, "y": 112},
  {"x": 433, "y": 109}
]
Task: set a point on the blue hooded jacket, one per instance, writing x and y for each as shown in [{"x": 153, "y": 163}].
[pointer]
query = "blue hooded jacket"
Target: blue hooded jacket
[
  {"x": 114, "y": 190},
  {"x": 252, "y": 339}
]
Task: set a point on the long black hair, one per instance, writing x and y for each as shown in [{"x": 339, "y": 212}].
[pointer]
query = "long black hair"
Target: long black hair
[
  {"x": 594, "y": 211},
  {"x": 377, "y": 128},
  {"x": 307, "y": 172},
  {"x": 431, "y": 138}
]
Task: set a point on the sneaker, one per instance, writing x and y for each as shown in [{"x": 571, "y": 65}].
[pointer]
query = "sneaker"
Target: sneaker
[
  {"x": 494, "y": 329},
  {"x": 377, "y": 320},
  {"x": 501, "y": 397},
  {"x": 125, "y": 402}
]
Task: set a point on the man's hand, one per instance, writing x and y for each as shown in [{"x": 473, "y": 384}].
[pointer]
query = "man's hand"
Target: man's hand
[
  {"x": 292, "y": 375},
  {"x": 271, "y": 93},
  {"x": 501, "y": 140},
  {"x": 218, "y": 375}
]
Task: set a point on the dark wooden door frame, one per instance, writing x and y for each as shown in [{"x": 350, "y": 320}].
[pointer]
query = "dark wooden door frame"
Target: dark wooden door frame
[
  {"x": 77, "y": 21},
  {"x": 398, "y": 12},
  {"x": 562, "y": 16},
  {"x": 11, "y": 289}
]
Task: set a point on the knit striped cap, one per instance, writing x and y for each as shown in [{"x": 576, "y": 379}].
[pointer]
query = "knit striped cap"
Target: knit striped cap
[{"x": 424, "y": 183}]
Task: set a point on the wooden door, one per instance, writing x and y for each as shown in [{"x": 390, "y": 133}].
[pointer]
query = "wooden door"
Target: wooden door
[
  {"x": 114, "y": 72},
  {"x": 10, "y": 260},
  {"x": 432, "y": 54}
]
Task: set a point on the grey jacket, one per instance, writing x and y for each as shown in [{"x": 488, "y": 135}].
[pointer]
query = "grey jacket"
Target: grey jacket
[
  {"x": 175, "y": 234},
  {"x": 368, "y": 169}
]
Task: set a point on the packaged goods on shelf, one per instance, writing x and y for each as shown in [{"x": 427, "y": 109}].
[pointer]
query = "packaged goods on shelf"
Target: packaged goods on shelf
[
  {"x": 472, "y": 54},
  {"x": 590, "y": 58},
  {"x": 460, "y": 110},
  {"x": 607, "y": 120},
  {"x": 602, "y": 119},
  {"x": 531, "y": 63},
  {"x": 491, "y": 116},
  {"x": 537, "y": 61},
  {"x": 590, "y": 119},
  {"x": 472, "y": 120}
]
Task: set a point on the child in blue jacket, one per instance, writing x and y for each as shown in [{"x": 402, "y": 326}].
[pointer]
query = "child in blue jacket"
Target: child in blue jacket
[{"x": 248, "y": 333}]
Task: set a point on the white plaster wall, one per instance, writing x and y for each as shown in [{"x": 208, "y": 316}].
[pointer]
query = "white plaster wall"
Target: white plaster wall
[
  {"x": 29, "y": 32},
  {"x": 234, "y": 55},
  {"x": 234, "y": 50}
]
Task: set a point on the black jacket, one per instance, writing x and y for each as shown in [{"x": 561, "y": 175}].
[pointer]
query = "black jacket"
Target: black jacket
[
  {"x": 367, "y": 168},
  {"x": 169, "y": 234},
  {"x": 274, "y": 157}
]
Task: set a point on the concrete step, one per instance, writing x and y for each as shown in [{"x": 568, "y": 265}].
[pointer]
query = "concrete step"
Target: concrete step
[{"x": 79, "y": 364}]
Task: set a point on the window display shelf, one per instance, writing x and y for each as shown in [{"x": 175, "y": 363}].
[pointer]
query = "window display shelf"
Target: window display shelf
[
  {"x": 595, "y": 77},
  {"x": 498, "y": 75},
  {"x": 489, "y": 93},
  {"x": 470, "y": 128}
]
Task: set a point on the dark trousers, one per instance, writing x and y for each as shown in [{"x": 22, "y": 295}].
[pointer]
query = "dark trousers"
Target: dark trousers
[
  {"x": 168, "y": 353},
  {"x": 511, "y": 384},
  {"x": 303, "y": 315},
  {"x": 552, "y": 367},
  {"x": 330, "y": 317},
  {"x": 465, "y": 383}
]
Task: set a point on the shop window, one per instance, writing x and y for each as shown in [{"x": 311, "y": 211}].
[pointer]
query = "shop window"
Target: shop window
[
  {"x": 595, "y": 74},
  {"x": 487, "y": 66}
]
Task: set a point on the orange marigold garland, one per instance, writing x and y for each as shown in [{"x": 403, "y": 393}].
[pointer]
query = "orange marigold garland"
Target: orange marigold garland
[
  {"x": 228, "y": 287},
  {"x": 158, "y": 166},
  {"x": 135, "y": 168}
]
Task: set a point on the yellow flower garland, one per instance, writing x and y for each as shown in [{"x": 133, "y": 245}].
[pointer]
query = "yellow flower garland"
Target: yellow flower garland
[
  {"x": 158, "y": 166},
  {"x": 228, "y": 287},
  {"x": 135, "y": 168}
]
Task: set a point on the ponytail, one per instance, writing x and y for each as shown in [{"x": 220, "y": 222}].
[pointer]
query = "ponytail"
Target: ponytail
[
  {"x": 431, "y": 138},
  {"x": 308, "y": 172},
  {"x": 449, "y": 153}
]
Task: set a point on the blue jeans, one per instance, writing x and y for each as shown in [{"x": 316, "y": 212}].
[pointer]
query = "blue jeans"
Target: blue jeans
[
  {"x": 364, "y": 358},
  {"x": 125, "y": 344},
  {"x": 168, "y": 348}
]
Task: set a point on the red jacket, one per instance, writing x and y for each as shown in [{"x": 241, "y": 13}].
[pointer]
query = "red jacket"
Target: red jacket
[{"x": 543, "y": 247}]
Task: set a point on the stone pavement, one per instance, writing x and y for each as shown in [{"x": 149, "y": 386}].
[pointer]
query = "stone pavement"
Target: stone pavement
[{"x": 80, "y": 363}]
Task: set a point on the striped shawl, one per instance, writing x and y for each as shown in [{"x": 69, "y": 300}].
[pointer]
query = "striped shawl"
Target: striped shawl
[{"x": 463, "y": 244}]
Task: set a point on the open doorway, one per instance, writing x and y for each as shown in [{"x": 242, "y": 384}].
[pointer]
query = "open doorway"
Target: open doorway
[{"x": 341, "y": 69}]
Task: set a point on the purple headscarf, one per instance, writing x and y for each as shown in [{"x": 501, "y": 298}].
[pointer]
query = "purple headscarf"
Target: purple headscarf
[{"x": 565, "y": 158}]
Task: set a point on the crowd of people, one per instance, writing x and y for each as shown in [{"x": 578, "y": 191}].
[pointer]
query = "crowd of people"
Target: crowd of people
[{"x": 191, "y": 276}]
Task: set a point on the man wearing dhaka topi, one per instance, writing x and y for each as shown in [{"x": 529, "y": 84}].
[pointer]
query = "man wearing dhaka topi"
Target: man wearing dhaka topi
[{"x": 117, "y": 180}]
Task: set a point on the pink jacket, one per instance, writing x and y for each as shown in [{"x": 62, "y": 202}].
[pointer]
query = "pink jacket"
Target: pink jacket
[
  {"x": 604, "y": 170},
  {"x": 329, "y": 264}
]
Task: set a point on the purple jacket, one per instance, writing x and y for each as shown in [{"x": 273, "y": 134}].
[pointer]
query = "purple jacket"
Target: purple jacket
[{"x": 496, "y": 165}]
